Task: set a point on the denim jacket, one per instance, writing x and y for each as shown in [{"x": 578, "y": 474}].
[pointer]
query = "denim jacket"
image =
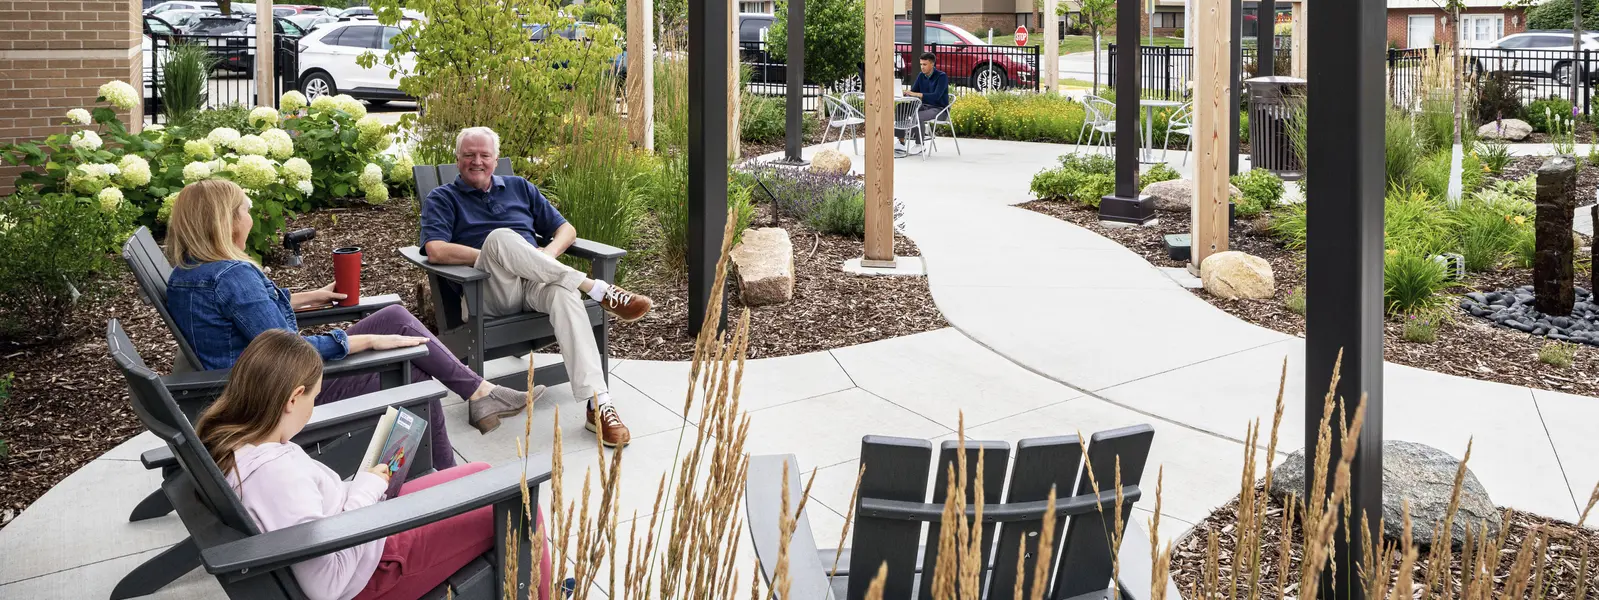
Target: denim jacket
[{"x": 220, "y": 306}]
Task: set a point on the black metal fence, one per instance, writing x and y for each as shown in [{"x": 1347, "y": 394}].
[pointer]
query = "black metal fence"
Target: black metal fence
[
  {"x": 970, "y": 69},
  {"x": 1166, "y": 71},
  {"x": 232, "y": 79}
]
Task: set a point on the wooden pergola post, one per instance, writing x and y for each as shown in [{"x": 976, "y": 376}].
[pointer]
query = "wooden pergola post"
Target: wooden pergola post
[
  {"x": 1051, "y": 54},
  {"x": 1296, "y": 54},
  {"x": 879, "y": 84},
  {"x": 733, "y": 81},
  {"x": 1214, "y": 101},
  {"x": 265, "y": 50},
  {"x": 641, "y": 73}
]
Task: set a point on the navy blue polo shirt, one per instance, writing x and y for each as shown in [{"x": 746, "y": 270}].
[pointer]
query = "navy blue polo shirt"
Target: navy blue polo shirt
[{"x": 461, "y": 214}]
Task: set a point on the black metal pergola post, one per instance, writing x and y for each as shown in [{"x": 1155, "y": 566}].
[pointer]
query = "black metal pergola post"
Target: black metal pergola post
[
  {"x": 1344, "y": 257},
  {"x": 1237, "y": 74},
  {"x": 707, "y": 152},
  {"x": 1127, "y": 205},
  {"x": 795, "y": 74},
  {"x": 1266, "y": 38},
  {"x": 918, "y": 39}
]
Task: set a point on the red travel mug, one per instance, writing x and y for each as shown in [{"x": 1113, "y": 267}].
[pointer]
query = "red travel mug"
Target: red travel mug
[{"x": 347, "y": 274}]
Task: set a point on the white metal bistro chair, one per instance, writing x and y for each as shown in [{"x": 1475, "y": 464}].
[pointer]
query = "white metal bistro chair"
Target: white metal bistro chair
[
  {"x": 1181, "y": 123},
  {"x": 1098, "y": 120},
  {"x": 942, "y": 119},
  {"x": 907, "y": 119},
  {"x": 843, "y": 116}
]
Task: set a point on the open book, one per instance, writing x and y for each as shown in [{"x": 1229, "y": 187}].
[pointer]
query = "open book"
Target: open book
[{"x": 395, "y": 442}]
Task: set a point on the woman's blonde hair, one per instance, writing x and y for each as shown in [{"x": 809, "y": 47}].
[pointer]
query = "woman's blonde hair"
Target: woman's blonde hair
[
  {"x": 250, "y": 407},
  {"x": 200, "y": 229}
]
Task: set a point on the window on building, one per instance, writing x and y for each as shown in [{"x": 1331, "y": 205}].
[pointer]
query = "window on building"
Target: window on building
[
  {"x": 753, "y": 7},
  {"x": 1024, "y": 20},
  {"x": 1167, "y": 20},
  {"x": 1478, "y": 31}
]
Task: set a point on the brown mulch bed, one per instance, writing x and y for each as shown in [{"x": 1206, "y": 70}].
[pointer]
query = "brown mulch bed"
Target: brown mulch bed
[
  {"x": 1564, "y": 552},
  {"x": 747, "y": 150},
  {"x": 1466, "y": 346},
  {"x": 830, "y": 309},
  {"x": 1522, "y": 166}
]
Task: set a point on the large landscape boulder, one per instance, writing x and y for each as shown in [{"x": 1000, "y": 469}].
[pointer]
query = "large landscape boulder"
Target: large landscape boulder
[
  {"x": 765, "y": 262},
  {"x": 1510, "y": 130},
  {"x": 1421, "y": 474},
  {"x": 830, "y": 162},
  {"x": 1233, "y": 275},
  {"x": 1177, "y": 195}
]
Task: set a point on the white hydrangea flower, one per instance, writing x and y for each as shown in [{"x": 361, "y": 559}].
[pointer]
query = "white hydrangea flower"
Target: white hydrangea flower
[
  {"x": 264, "y": 116},
  {"x": 135, "y": 170},
  {"x": 79, "y": 116},
  {"x": 254, "y": 172},
  {"x": 376, "y": 194},
  {"x": 164, "y": 213},
  {"x": 200, "y": 149},
  {"x": 222, "y": 136},
  {"x": 292, "y": 101},
  {"x": 110, "y": 198},
  {"x": 371, "y": 176},
  {"x": 120, "y": 94},
  {"x": 279, "y": 144},
  {"x": 86, "y": 140},
  {"x": 322, "y": 103},
  {"x": 196, "y": 171},
  {"x": 304, "y": 187},
  {"x": 296, "y": 170},
  {"x": 401, "y": 171},
  {"x": 250, "y": 144},
  {"x": 349, "y": 105}
]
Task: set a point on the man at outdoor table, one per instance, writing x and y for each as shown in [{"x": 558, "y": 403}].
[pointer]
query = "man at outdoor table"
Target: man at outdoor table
[
  {"x": 932, "y": 86},
  {"x": 491, "y": 222}
]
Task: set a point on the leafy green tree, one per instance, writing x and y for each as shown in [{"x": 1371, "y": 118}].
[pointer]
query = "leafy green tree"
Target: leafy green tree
[
  {"x": 835, "y": 38},
  {"x": 1096, "y": 16},
  {"x": 1556, "y": 14},
  {"x": 475, "y": 63}
]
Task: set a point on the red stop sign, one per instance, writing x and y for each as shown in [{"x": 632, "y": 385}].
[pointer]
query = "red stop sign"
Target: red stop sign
[{"x": 1021, "y": 35}]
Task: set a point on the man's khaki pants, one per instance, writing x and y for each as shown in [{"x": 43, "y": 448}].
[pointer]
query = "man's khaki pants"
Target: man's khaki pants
[{"x": 522, "y": 278}]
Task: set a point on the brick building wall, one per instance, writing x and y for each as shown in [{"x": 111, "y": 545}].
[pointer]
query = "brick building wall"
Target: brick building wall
[
  {"x": 55, "y": 55},
  {"x": 1515, "y": 21},
  {"x": 1143, "y": 28},
  {"x": 979, "y": 23}
]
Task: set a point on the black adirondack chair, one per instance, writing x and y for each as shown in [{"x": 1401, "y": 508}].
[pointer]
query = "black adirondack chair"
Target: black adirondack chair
[
  {"x": 194, "y": 389},
  {"x": 477, "y": 339},
  {"x": 894, "y": 504},
  {"x": 251, "y": 564}
]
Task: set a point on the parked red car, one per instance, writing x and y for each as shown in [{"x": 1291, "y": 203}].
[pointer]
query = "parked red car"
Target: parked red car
[{"x": 968, "y": 60}]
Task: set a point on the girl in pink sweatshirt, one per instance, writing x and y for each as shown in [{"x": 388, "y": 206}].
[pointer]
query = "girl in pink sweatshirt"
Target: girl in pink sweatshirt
[{"x": 248, "y": 431}]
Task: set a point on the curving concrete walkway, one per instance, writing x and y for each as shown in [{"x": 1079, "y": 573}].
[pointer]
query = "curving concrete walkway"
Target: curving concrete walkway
[{"x": 1055, "y": 330}]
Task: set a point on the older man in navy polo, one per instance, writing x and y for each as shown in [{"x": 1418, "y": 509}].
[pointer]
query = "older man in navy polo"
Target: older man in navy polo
[{"x": 494, "y": 223}]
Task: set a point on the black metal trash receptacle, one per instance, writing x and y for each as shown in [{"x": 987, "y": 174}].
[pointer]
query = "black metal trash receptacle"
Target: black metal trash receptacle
[{"x": 1272, "y": 102}]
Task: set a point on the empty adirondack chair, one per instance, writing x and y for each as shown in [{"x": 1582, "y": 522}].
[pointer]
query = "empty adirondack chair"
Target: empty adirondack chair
[
  {"x": 458, "y": 301},
  {"x": 895, "y": 501},
  {"x": 251, "y": 564}
]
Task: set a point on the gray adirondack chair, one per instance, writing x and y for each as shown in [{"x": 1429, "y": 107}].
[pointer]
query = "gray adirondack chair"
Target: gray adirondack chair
[
  {"x": 194, "y": 389},
  {"x": 477, "y": 339},
  {"x": 252, "y": 564},
  {"x": 894, "y": 504}
]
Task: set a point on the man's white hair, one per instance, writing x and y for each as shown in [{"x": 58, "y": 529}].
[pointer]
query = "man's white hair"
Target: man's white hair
[{"x": 483, "y": 131}]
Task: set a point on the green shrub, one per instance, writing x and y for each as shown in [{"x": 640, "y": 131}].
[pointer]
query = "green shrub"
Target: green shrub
[
  {"x": 1296, "y": 301},
  {"x": 1288, "y": 225},
  {"x": 1158, "y": 173},
  {"x": 1262, "y": 191},
  {"x": 1412, "y": 281},
  {"x": 1402, "y": 150},
  {"x": 1243, "y": 127},
  {"x": 198, "y": 123},
  {"x": 972, "y": 114},
  {"x": 668, "y": 201},
  {"x": 1497, "y": 96},
  {"x": 1018, "y": 116},
  {"x": 184, "y": 77},
  {"x": 841, "y": 211},
  {"x": 53, "y": 248},
  {"x": 1557, "y": 354},
  {"x": 1542, "y": 112},
  {"x": 765, "y": 119},
  {"x": 1495, "y": 154},
  {"x": 1081, "y": 178},
  {"x": 835, "y": 38},
  {"x": 1558, "y": 15}
]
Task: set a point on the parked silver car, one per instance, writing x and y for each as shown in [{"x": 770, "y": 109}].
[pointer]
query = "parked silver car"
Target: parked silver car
[{"x": 1537, "y": 54}]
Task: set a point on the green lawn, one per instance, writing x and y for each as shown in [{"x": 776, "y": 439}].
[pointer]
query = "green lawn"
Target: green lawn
[{"x": 1082, "y": 43}]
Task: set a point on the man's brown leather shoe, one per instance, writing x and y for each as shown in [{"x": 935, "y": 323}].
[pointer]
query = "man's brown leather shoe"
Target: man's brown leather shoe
[
  {"x": 626, "y": 305},
  {"x": 609, "y": 425}
]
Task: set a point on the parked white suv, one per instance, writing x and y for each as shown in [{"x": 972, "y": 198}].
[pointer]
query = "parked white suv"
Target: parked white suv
[
  {"x": 1540, "y": 54},
  {"x": 328, "y": 66}
]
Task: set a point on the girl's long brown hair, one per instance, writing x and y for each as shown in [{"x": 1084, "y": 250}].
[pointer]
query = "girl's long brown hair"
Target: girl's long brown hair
[{"x": 275, "y": 362}]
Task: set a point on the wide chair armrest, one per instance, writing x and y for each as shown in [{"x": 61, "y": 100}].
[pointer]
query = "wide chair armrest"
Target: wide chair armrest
[
  {"x": 763, "y": 503},
  {"x": 273, "y": 550},
  {"x": 333, "y": 416},
  {"x": 1135, "y": 571},
  {"x": 455, "y": 273},
  {"x": 602, "y": 258},
  {"x": 373, "y": 360},
  {"x": 339, "y": 314}
]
